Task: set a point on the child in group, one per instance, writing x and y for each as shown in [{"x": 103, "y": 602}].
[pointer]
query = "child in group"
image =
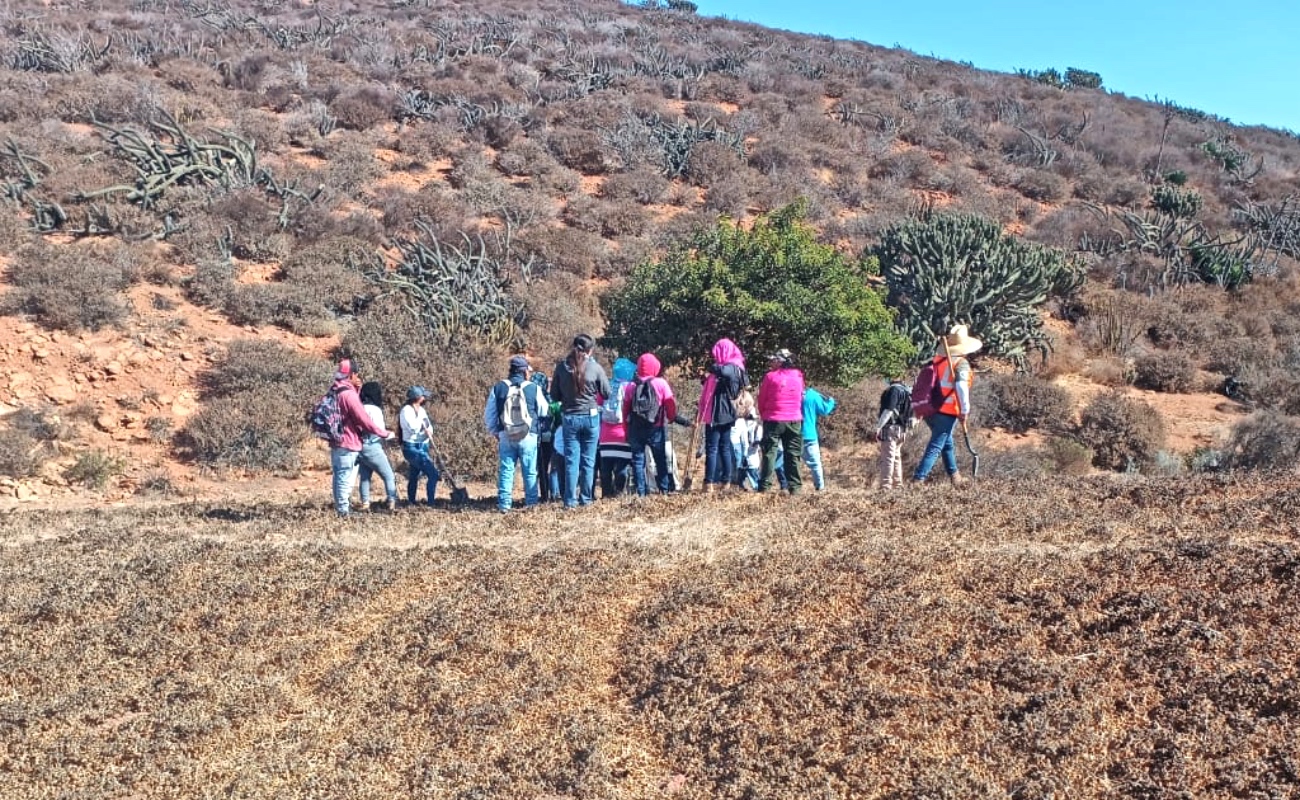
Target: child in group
[
  {"x": 746, "y": 439},
  {"x": 545, "y": 438},
  {"x": 815, "y": 405},
  {"x": 373, "y": 458},
  {"x": 892, "y": 426}
]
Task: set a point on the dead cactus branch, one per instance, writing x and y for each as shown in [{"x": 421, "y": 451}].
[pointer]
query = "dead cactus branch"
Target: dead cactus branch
[{"x": 453, "y": 290}]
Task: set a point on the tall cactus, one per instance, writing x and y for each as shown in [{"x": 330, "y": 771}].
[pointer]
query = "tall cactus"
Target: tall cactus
[{"x": 942, "y": 269}]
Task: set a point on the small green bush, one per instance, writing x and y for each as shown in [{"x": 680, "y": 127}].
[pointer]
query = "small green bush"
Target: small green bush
[
  {"x": 94, "y": 469},
  {"x": 1122, "y": 433},
  {"x": 1166, "y": 372},
  {"x": 1068, "y": 456}
]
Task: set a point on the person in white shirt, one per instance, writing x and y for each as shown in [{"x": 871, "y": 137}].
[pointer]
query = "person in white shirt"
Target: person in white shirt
[
  {"x": 373, "y": 458},
  {"x": 416, "y": 433}
]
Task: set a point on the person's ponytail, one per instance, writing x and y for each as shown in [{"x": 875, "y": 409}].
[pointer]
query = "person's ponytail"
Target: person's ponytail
[{"x": 583, "y": 344}]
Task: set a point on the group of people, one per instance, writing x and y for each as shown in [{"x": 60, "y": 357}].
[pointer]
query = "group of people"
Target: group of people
[{"x": 564, "y": 432}]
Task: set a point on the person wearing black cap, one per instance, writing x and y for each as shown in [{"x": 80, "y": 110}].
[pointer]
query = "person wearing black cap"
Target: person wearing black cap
[
  {"x": 416, "y": 432},
  {"x": 512, "y": 414}
]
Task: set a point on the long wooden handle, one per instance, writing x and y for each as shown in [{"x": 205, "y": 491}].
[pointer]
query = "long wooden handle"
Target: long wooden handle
[{"x": 689, "y": 480}]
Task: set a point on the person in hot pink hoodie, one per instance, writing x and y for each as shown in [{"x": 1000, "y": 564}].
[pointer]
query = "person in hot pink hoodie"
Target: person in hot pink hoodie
[
  {"x": 647, "y": 422},
  {"x": 347, "y": 449},
  {"x": 780, "y": 405}
]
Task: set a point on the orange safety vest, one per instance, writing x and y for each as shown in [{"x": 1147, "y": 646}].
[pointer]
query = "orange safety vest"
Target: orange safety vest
[{"x": 948, "y": 384}]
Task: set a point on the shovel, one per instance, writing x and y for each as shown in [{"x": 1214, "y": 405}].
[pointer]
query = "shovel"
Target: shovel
[
  {"x": 459, "y": 494},
  {"x": 965, "y": 433}
]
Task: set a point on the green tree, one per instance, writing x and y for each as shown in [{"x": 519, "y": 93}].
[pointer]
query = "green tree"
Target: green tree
[
  {"x": 944, "y": 269},
  {"x": 770, "y": 286}
]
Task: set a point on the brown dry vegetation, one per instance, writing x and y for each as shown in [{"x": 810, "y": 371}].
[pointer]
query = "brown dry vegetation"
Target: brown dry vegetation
[
  {"x": 1044, "y": 636},
  {"x": 1090, "y": 638}
]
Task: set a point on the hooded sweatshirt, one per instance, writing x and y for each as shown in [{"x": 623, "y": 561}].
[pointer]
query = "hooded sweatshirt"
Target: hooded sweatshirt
[
  {"x": 780, "y": 396},
  {"x": 647, "y": 369},
  {"x": 616, "y": 432},
  {"x": 814, "y": 405},
  {"x": 725, "y": 380},
  {"x": 355, "y": 419}
]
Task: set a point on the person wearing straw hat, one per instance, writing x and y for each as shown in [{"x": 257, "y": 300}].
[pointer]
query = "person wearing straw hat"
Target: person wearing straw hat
[{"x": 955, "y": 377}]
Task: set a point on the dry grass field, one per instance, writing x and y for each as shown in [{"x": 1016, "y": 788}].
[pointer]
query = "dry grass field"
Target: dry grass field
[{"x": 1089, "y": 638}]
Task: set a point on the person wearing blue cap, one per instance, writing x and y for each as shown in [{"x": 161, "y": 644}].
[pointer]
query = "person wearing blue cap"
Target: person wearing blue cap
[
  {"x": 416, "y": 432},
  {"x": 512, "y": 413}
]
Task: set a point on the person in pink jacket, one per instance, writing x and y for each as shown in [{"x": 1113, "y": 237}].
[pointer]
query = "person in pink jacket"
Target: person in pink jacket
[
  {"x": 647, "y": 423},
  {"x": 347, "y": 449},
  {"x": 780, "y": 405}
]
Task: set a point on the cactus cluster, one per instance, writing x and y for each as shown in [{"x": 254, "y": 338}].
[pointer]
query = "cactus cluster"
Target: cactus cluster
[
  {"x": 1175, "y": 202},
  {"x": 943, "y": 269},
  {"x": 452, "y": 290},
  {"x": 1170, "y": 234},
  {"x": 676, "y": 140}
]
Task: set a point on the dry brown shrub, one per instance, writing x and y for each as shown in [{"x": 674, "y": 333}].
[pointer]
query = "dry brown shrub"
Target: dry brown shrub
[
  {"x": 556, "y": 306},
  {"x": 1124, "y": 434},
  {"x": 565, "y": 248},
  {"x": 352, "y": 164},
  {"x": 1021, "y": 403},
  {"x": 427, "y": 141},
  {"x": 1165, "y": 372},
  {"x": 1267, "y": 440},
  {"x": 642, "y": 185},
  {"x": 1045, "y": 187},
  {"x": 254, "y": 412},
  {"x": 730, "y": 195},
  {"x": 580, "y": 150},
  {"x": 71, "y": 288},
  {"x": 362, "y": 107}
]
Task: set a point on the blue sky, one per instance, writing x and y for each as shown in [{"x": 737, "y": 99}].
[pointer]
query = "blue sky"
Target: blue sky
[{"x": 1239, "y": 60}]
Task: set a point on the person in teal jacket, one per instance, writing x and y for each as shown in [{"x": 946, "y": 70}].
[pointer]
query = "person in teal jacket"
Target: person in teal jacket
[{"x": 814, "y": 405}]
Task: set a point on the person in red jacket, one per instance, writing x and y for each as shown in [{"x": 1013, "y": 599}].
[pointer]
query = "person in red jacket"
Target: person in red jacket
[
  {"x": 780, "y": 406},
  {"x": 345, "y": 452}
]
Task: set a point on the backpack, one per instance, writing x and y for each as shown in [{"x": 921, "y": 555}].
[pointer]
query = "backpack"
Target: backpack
[
  {"x": 516, "y": 421},
  {"x": 611, "y": 411},
  {"x": 645, "y": 404},
  {"x": 898, "y": 400},
  {"x": 326, "y": 418},
  {"x": 927, "y": 393}
]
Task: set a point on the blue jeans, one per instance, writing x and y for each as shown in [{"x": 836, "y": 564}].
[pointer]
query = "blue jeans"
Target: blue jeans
[
  {"x": 656, "y": 439},
  {"x": 555, "y": 475},
  {"x": 373, "y": 459},
  {"x": 581, "y": 435},
  {"x": 719, "y": 458},
  {"x": 418, "y": 463},
  {"x": 812, "y": 457},
  {"x": 941, "y": 442},
  {"x": 523, "y": 452},
  {"x": 341, "y": 463}
]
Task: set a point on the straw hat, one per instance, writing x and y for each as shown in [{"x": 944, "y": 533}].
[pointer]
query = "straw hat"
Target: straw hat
[{"x": 960, "y": 342}]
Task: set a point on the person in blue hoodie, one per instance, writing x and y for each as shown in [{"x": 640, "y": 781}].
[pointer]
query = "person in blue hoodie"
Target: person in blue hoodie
[
  {"x": 515, "y": 427},
  {"x": 814, "y": 405}
]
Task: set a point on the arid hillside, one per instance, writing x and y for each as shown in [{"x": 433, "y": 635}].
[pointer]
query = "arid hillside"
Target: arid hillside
[
  {"x": 202, "y": 203},
  {"x": 1110, "y": 637}
]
